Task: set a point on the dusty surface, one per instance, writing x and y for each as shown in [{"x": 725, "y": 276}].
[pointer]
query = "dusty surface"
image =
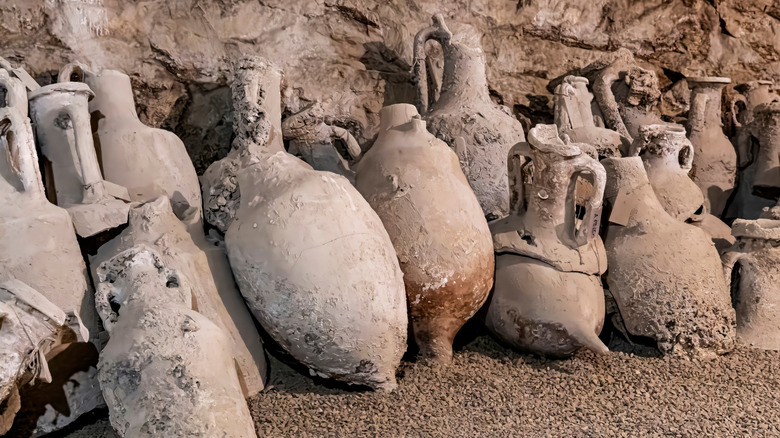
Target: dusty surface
[
  {"x": 491, "y": 391},
  {"x": 357, "y": 54}
]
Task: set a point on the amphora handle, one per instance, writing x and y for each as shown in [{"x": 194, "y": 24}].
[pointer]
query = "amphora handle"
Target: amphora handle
[
  {"x": 589, "y": 229},
  {"x": 439, "y": 32},
  {"x": 76, "y": 68},
  {"x": 20, "y": 151}
]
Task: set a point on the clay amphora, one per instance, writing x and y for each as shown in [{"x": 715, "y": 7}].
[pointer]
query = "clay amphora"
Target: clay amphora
[
  {"x": 14, "y": 93},
  {"x": 312, "y": 134},
  {"x": 214, "y": 293},
  {"x": 755, "y": 258},
  {"x": 167, "y": 370},
  {"x": 61, "y": 119},
  {"x": 31, "y": 327},
  {"x": 634, "y": 102},
  {"x": 744, "y": 204},
  {"x": 574, "y": 117},
  {"x": 443, "y": 242},
  {"x": 548, "y": 297},
  {"x": 667, "y": 155},
  {"x": 310, "y": 256},
  {"x": 479, "y": 131},
  {"x": 714, "y": 159},
  {"x": 664, "y": 274},
  {"x": 146, "y": 160},
  {"x": 767, "y": 129},
  {"x": 38, "y": 247}
]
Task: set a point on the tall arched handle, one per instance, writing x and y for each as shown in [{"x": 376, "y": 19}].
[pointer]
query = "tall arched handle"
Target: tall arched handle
[
  {"x": 67, "y": 71},
  {"x": 21, "y": 151},
  {"x": 729, "y": 259},
  {"x": 602, "y": 92},
  {"x": 517, "y": 160},
  {"x": 442, "y": 34},
  {"x": 734, "y": 109},
  {"x": 92, "y": 179},
  {"x": 590, "y": 223},
  {"x": 353, "y": 148},
  {"x": 15, "y": 92}
]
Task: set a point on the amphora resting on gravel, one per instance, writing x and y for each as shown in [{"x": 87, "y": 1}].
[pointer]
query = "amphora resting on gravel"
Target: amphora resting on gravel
[
  {"x": 310, "y": 256},
  {"x": 665, "y": 275},
  {"x": 414, "y": 183},
  {"x": 752, "y": 265},
  {"x": 548, "y": 297},
  {"x": 480, "y": 132}
]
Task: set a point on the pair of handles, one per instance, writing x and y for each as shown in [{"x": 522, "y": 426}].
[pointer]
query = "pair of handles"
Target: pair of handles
[
  {"x": 439, "y": 32},
  {"x": 522, "y": 154}
]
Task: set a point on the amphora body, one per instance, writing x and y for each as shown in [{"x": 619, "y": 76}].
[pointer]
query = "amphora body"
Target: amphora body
[
  {"x": 664, "y": 274},
  {"x": 756, "y": 296},
  {"x": 714, "y": 157},
  {"x": 149, "y": 162},
  {"x": 166, "y": 370},
  {"x": 310, "y": 256},
  {"x": 574, "y": 117},
  {"x": 548, "y": 297},
  {"x": 442, "y": 241},
  {"x": 60, "y": 116},
  {"x": 479, "y": 131},
  {"x": 214, "y": 293}
]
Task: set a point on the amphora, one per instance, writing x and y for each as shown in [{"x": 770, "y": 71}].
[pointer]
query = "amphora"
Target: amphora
[
  {"x": 443, "y": 242},
  {"x": 166, "y": 370},
  {"x": 548, "y": 297},
  {"x": 310, "y": 256},
  {"x": 665, "y": 275},
  {"x": 767, "y": 128},
  {"x": 149, "y": 162},
  {"x": 752, "y": 264},
  {"x": 60, "y": 116},
  {"x": 480, "y": 132},
  {"x": 214, "y": 293},
  {"x": 714, "y": 158},
  {"x": 574, "y": 117}
]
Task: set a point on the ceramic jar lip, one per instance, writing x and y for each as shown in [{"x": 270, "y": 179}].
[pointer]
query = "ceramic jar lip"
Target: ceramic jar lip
[
  {"x": 62, "y": 87},
  {"x": 707, "y": 80},
  {"x": 767, "y": 229}
]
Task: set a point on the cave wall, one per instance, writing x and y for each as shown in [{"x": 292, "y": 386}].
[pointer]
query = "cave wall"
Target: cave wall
[{"x": 356, "y": 55}]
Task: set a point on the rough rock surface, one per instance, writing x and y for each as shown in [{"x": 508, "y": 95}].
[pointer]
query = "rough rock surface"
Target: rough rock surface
[
  {"x": 489, "y": 390},
  {"x": 358, "y": 53}
]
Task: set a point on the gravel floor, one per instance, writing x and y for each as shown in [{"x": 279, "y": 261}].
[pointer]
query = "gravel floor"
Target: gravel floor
[{"x": 490, "y": 391}]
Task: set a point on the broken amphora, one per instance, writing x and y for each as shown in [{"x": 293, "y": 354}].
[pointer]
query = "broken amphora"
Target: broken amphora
[
  {"x": 634, "y": 101},
  {"x": 714, "y": 158},
  {"x": 61, "y": 120},
  {"x": 548, "y": 297},
  {"x": 310, "y": 256},
  {"x": 39, "y": 247},
  {"x": 752, "y": 264},
  {"x": 443, "y": 242},
  {"x": 574, "y": 117},
  {"x": 766, "y": 182},
  {"x": 32, "y": 328},
  {"x": 166, "y": 370},
  {"x": 149, "y": 162},
  {"x": 214, "y": 292},
  {"x": 665, "y": 275},
  {"x": 744, "y": 204},
  {"x": 311, "y": 133},
  {"x": 480, "y": 132}
]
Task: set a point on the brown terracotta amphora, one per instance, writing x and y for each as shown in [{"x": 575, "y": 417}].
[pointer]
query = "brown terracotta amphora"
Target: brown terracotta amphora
[
  {"x": 443, "y": 242},
  {"x": 665, "y": 275},
  {"x": 714, "y": 158},
  {"x": 548, "y": 297},
  {"x": 478, "y": 130},
  {"x": 752, "y": 264}
]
